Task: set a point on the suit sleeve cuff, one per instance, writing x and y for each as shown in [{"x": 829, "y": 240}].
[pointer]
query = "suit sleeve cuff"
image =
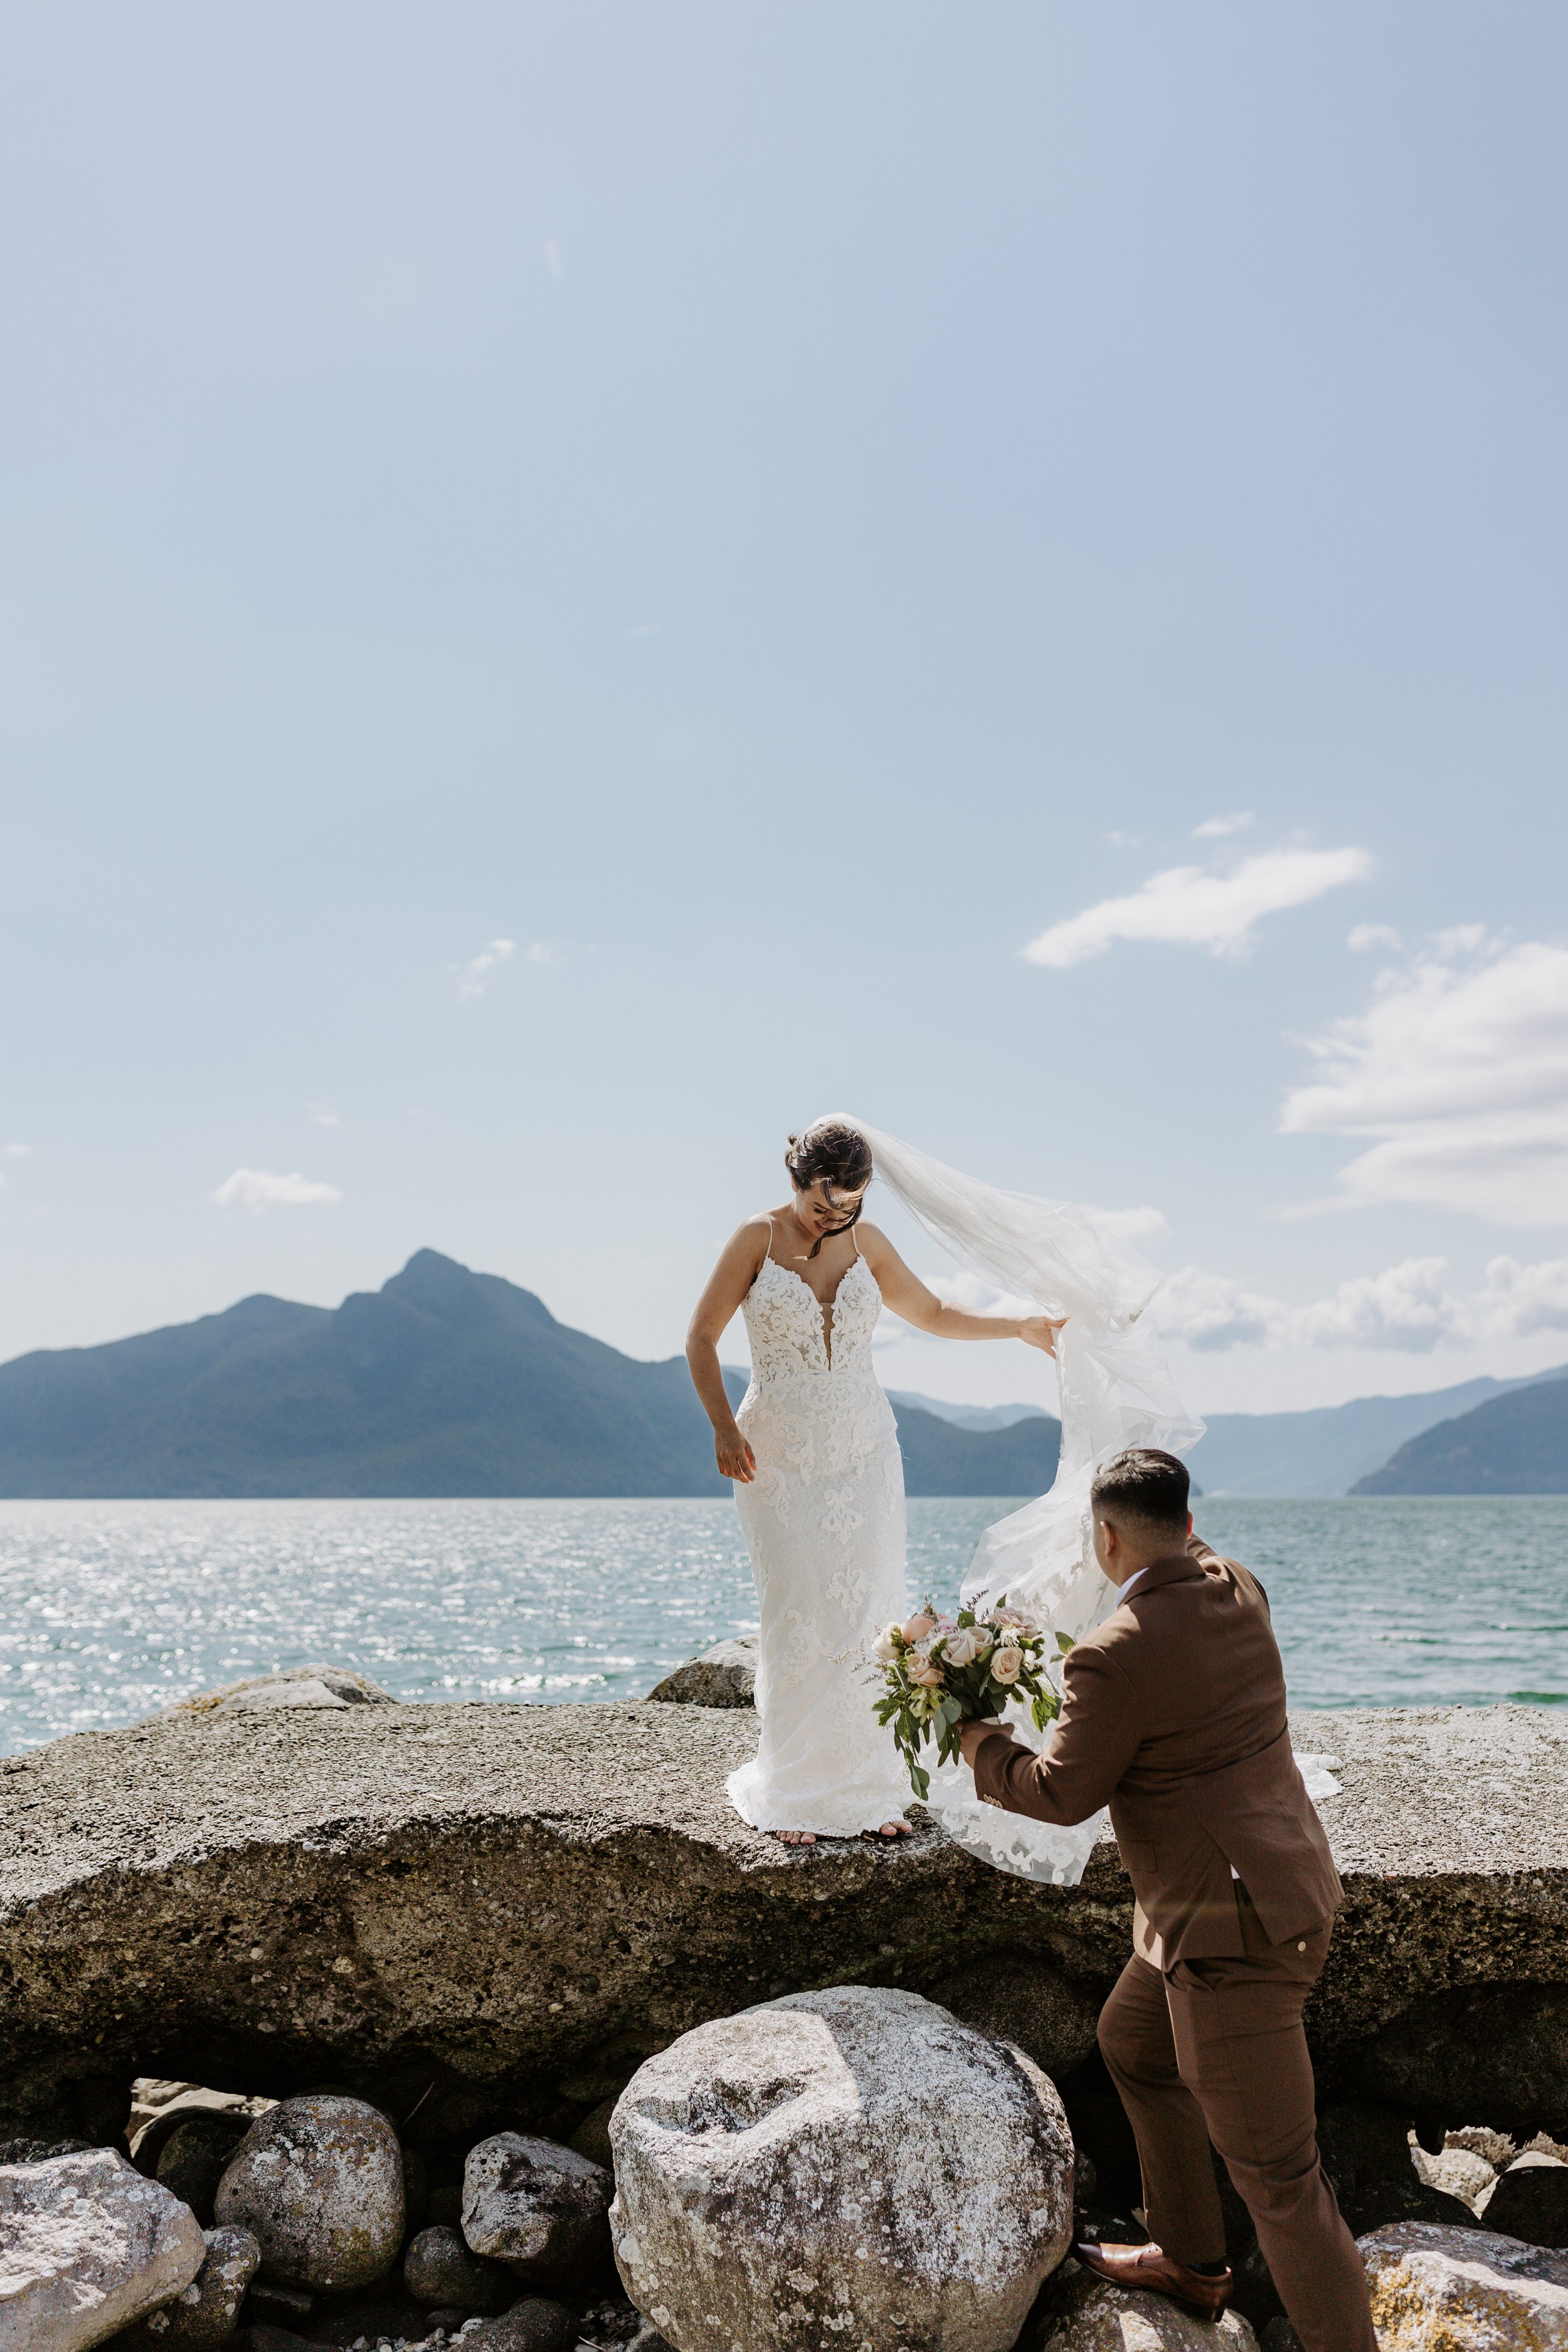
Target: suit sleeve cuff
[{"x": 990, "y": 1767}]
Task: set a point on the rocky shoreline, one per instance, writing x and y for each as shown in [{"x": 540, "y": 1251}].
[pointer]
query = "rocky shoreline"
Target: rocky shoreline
[{"x": 482, "y": 1919}]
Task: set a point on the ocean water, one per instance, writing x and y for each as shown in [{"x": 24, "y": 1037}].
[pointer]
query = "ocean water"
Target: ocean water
[{"x": 109, "y": 1611}]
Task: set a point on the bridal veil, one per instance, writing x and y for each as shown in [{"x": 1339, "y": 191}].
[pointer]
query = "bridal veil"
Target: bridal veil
[{"x": 1115, "y": 1392}]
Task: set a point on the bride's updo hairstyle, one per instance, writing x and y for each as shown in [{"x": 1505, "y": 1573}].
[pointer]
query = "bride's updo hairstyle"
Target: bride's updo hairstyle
[{"x": 835, "y": 1155}]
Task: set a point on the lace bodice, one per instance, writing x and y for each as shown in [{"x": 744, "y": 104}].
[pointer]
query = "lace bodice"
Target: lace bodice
[{"x": 784, "y": 1323}]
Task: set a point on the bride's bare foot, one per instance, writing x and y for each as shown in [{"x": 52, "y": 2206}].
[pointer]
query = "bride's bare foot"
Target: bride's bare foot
[
  {"x": 796, "y": 1837},
  {"x": 898, "y": 1829}
]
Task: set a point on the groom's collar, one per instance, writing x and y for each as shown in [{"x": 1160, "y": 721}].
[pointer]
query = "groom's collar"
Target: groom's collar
[{"x": 1166, "y": 1570}]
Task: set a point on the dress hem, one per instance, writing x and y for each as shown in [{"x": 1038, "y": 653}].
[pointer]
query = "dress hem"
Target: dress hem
[{"x": 776, "y": 1819}]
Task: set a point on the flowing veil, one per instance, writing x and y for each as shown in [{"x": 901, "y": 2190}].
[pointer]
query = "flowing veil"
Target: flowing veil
[{"x": 1115, "y": 1390}]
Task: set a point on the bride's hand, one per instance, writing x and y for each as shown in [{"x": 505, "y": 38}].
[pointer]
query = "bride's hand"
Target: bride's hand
[
  {"x": 734, "y": 1455},
  {"x": 1040, "y": 1331}
]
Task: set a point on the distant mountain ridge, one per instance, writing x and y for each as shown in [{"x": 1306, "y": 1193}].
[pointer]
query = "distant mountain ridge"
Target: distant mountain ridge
[
  {"x": 1330, "y": 1449},
  {"x": 442, "y": 1382},
  {"x": 1512, "y": 1445}
]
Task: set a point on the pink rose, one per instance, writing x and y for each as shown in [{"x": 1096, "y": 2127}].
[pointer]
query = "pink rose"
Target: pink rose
[
  {"x": 927, "y": 1674},
  {"x": 916, "y": 1628},
  {"x": 962, "y": 1646}
]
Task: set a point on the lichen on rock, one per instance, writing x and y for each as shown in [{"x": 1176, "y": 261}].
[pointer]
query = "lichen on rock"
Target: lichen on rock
[
  {"x": 853, "y": 2166},
  {"x": 318, "y": 2181}
]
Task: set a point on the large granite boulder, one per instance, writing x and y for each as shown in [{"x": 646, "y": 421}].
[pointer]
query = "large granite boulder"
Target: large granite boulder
[
  {"x": 537, "y": 2207},
  {"x": 88, "y": 2246},
  {"x": 205, "y": 2314},
  {"x": 725, "y": 1675},
  {"x": 320, "y": 2182},
  {"x": 1435, "y": 2290},
  {"x": 460, "y": 1910},
  {"x": 852, "y": 2167}
]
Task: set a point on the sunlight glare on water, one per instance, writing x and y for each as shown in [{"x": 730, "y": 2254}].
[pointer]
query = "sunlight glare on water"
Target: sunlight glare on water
[{"x": 109, "y": 1611}]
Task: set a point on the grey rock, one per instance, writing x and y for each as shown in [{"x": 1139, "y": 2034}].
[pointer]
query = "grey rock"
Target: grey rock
[
  {"x": 159, "y": 2108},
  {"x": 320, "y": 2181},
  {"x": 90, "y": 2245},
  {"x": 538, "y": 2207},
  {"x": 497, "y": 1895},
  {"x": 1530, "y": 2202},
  {"x": 206, "y": 2313},
  {"x": 534, "y": 2324},
  {"x": 725, "y": 1675},
  {"x": 440, "y": 2270},
  {"x": 852, "y": 2165},
  {"x": 1497, "y": 2147},
  {"x": 1458, "y": 2172},
  {"x": 1027, "y": 2001},
  {"x": 193, "y": 2159},
  {"x": 1080, "y": 2313},
  {"x": 312, "y": 1687},
  {"x": 1434, "y": 2290}
]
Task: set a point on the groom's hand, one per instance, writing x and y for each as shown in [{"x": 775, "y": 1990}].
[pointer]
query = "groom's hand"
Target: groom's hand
[{"x": 972, "y": 1733}]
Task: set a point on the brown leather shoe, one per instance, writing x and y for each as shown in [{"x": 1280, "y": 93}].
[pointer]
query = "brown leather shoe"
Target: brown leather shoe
[{"x": 1157, "y": 2272}]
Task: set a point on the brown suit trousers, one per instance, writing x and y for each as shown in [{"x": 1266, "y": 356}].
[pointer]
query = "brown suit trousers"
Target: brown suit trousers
[
  {"x": 1213, "y": 2051},
  {"x": 1175, "y": 1715}
]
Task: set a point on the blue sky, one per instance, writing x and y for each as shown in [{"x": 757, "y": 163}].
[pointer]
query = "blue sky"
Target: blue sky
[{"x": 769, "y": 515}]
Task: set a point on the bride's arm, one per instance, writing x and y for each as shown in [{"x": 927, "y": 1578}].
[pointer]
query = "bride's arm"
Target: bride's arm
[
  {"x": 720, "y": 1301},
  {"x": 908, "y": 1296}
]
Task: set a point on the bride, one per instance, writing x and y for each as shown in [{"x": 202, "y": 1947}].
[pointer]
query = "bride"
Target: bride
[{"x": 814, "y": 1453}]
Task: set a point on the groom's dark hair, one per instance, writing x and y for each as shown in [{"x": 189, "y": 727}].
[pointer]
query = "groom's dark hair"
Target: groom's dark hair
[{"x": 1142, "y": 1482}]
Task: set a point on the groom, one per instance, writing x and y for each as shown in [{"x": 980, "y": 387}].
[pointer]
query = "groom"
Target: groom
[{"x": 1174, "y": 1716}]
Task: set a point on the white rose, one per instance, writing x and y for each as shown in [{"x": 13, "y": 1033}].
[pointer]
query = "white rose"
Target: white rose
[
  {"x": 1007, "y": 1665},
  {"x": 964, "y": 1646},
  {"x": 886, "y": 1644}
]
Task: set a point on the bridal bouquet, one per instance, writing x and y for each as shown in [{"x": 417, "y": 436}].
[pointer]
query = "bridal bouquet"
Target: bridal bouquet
[{"x": 942, "y": 1672}]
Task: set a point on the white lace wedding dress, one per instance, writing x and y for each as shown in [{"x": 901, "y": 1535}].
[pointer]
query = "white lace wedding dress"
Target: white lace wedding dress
[{"x": 823, "y": 1521}]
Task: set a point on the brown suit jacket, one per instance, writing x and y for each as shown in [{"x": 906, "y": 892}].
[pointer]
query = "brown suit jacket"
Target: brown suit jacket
[{"x": 1174, "y": 1716}]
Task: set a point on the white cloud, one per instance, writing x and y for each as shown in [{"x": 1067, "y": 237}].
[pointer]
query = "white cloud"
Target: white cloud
[
  {"x": 1459, "y": 1069},
  {"x": 541, "y": 953},
  {"x": 1188, "y": 907},
  {"x": 324, "y": 1115},
  {"x": 552, "y": 252},
  {"x": 258, "y": 1188},
  {"x": 1212, "y": 1311},
  {"x": 15, "y": 1151},
  {"x": 1408, "y": 1307},
  {"x": 1220, "y": 828},
  {"x": 476, "y": 976},
  {"x": 1520, "y": 1300},
  {"x": 1131, "y": 1226},
  {"x": 1367, "y": 936}
]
